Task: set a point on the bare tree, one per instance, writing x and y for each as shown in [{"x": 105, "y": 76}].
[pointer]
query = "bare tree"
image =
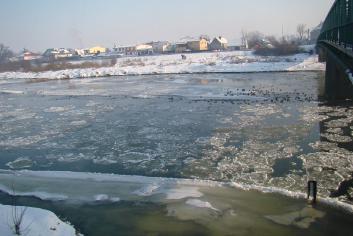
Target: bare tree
[
  {"x": 5, "y": 53},
  {"x": 244, "y": 37},
  {"x": 254, "y": 38},
  {"x": 272, "y": 39},
  {"x": 17, "y": 216},
  {"x": 206, "y": 37},
  {"x": 301, "y": 30}
]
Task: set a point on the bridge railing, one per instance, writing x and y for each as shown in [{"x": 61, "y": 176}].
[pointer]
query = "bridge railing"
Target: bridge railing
[{"x": 338, "y": 25}]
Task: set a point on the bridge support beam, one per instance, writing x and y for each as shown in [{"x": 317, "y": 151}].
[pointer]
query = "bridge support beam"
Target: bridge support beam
[{"x": 338, "y": 84}]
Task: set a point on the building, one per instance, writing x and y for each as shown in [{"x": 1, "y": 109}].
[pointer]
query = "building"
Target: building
[
  {"x": 198, "y": 45},
  {"x": 125, "y": 50},
  {"x": 82, "y": 52},
  {"x": 181, "y": 47},
  {"x": 161, "y": 47},
  {"x": 97, "y": 50},
  {"x": 234, "y": 47},
  {"x": 30, "y": 56},
  {"x": 58, "y": 53},
  {"x": 144, "y": 49},
  {"x": 219, "y": 44}
]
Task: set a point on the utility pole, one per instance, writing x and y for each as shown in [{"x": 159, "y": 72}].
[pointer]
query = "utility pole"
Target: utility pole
[{"x": 282, "y": 34}]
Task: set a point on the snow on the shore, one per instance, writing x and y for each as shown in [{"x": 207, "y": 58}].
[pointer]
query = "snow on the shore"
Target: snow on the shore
[
  {"x": 310, "y": 63},
  {"x": 35, "y": 222},
  {"x": 216, "y": 62}
]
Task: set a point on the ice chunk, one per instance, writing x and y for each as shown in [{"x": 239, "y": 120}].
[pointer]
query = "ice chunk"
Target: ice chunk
[
  {"x": 200, "y": 204},
  {"x": 104, "y": 161},
  {"x": 105, "y": 198},
  {"x": 338, "y": 131},
  {"x": 148, "y": 190},
  {"x": 79, "y": 123},
  {"x": 59, "y": 109},
  {"x": 301, "y": 219},
  {"x": 23, "y": 141},
  {"x": 337, "y": 138},
  {"x": 20, "y": 163},
  {"x": 182, "y": 192}
]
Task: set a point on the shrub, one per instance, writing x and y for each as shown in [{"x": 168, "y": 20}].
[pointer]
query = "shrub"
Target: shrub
[
  {"x": 27, "y": 66},
  {"x": 279, "y": 49}
]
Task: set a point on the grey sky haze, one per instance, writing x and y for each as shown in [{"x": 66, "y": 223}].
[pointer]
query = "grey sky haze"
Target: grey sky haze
[{"x": 41, "y": 24}]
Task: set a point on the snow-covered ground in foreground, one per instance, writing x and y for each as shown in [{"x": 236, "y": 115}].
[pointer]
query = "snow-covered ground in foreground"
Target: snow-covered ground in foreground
[
  {"x": 35, "y": 222},
  {"x": 217, "y": 62}
]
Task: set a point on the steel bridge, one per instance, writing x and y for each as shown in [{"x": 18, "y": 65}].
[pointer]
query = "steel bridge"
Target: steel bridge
[{"x": 335, "y": 47}]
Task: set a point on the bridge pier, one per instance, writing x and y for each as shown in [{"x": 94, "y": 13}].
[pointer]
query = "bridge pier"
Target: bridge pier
[
  {"x": 338, "y": 77},
  {"x": 322, "y": 53}
]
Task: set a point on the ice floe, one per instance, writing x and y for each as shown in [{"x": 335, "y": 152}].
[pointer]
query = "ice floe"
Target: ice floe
[
  {"x": 183, "y": 192},
  {"x": 79, "y": 123},
  {"x": 105, "y": 198},
  {"x": 200, "y": 204},
  {"x": 20, "y": 163},
  {"x": 23, "y": 141},
  {"x": 301, "y": 219},
  {"x": 59, "y": 109},
  {"x": 147, "y": 190},
  {"x": 337, "y": 138}
]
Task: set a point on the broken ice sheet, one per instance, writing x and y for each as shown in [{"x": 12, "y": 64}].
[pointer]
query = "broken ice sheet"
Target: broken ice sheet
[
  {"x": 312, "y": 114},
  {"x": 338, "y": 131},
  {"x": 22, "y": 141},
  {"x": 330, "y": 168},
  {"x": 339, "y": 123},
  {"x": 261, "y": 110},
  {"x": 337, "y": 138},
  {"x": 323, "y": 146}
]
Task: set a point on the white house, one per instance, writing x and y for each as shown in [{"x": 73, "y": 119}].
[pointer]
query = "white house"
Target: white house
[
  {"x": 218, "y": 44},
  {"x": 30, "y": 56},
  {"x": 144, "y": 49},
  {"x": 58, "y": 53},
  {"x": 161, "y": 46},
  {"x": 125, "y": 50}
]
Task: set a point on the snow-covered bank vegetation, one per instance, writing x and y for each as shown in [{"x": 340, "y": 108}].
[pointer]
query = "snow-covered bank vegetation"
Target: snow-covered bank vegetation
[
  {"x": 221, "y": 62},
  {"x": 35, "y": 222}
]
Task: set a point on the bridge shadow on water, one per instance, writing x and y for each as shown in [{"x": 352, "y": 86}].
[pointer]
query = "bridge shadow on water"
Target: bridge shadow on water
[{"x": 345, "y": 188}]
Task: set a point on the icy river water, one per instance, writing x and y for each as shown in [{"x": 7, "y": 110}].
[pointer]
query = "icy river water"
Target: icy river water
[{"x": 201, "y": 154}]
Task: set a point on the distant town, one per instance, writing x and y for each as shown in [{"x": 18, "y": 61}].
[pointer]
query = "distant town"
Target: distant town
[
  {"x": 55, "y": 59},
  {"x": 161, "y": 47}
]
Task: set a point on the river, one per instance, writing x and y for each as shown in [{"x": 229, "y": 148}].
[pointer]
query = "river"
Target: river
[{"x": 186, "y": 154}]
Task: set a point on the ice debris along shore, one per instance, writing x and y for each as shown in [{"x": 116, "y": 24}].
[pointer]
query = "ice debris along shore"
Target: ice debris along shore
[
  {"x": 35, "y": 222},
  {"x": 114, "y": 188},
  {"x": 221, "y": 62}
]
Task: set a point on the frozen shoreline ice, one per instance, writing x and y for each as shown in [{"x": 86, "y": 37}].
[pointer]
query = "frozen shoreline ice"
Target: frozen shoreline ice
[{"x": 169, "y": 189}]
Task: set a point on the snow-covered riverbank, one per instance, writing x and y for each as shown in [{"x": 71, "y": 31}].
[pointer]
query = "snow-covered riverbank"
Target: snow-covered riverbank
[
  {"x": 35, "y": 222},
  {"x": 221, "y": 62}
]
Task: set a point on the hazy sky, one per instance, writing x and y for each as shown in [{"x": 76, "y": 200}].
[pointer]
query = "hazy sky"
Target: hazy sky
[{"x": 40, "y": 24}]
